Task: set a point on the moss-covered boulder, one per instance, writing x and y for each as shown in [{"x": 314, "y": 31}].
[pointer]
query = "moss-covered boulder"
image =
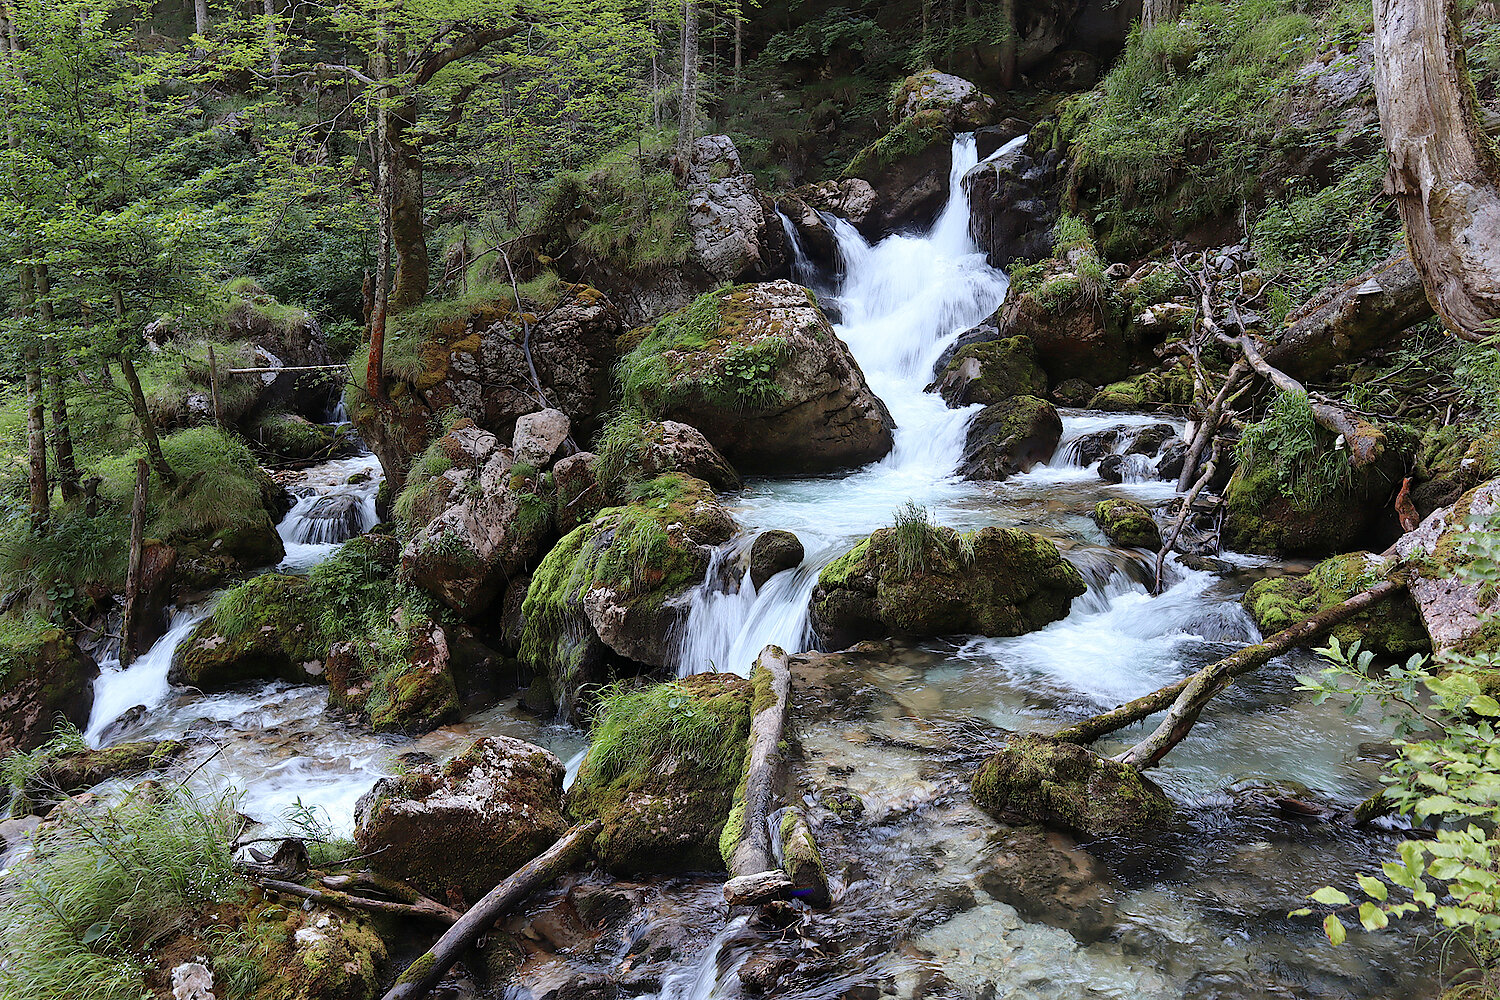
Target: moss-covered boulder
[
  {"x": 671, "y": 446},
  {"x": 264, "y": 629},
  {"x": 478, "y": 523},
  {"x": 1459, "y": 613},
  {"x": 1171, "y": 389},
  {"x": 1068, "y": 787},
  {"x": 1074, "y": 319},
  {"x": 964, "y": 106},
  {"x": 758, "y": 369},
  {"x": 921, "y": 579},
  {"x": 606, "y": 595},
  {"x": 1391, "y": 628},
  {"x": 661, "y": 772},
  {"x": 468, "y": 823},
  {"x": 1125, "y": 522},
  {"x": 992, "y": 371},
  {"x": 1010, "y": 436},
  {"x": 907, "y": 168},
  {"x": 306, "y": 953},
  {"x": 286, "y": 437},
  {"x": 43, "y": 676},
  {"x": 412, "y": 693},
  {"x": 79, "y": 770}
]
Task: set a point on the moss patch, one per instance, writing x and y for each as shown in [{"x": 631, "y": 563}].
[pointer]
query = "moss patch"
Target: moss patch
[
  {"x": 1127, "y": 523},
  {"x": 1068, "y": 787},
  {"x": 1393, "y": 628}
]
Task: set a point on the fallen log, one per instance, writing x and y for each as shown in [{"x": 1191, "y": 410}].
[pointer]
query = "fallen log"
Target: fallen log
[
  {"x": 762, "y": 887},
  {"x": 751, "y": 852},
  {"x": 422, "y": 908},
  {"x": 1202, "y": 686},
  {"x": 1222, "y": 672},
  {"x": 428, "y": 970}
]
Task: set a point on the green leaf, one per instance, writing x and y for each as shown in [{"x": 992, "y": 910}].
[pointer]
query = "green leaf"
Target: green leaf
[
  {"x": 95, "y": 931},
  {"x": 1372, "y": 917},
  {"x": 1329, "y": 896},
  {"x": 1334, "y": 928},
  {"x": 1303, "y": 912},
  {"x": 1373, "y": 887},
  {"x": 1484, "y": 705}
]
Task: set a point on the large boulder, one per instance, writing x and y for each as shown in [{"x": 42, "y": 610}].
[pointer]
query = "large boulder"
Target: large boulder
[
  {"x": 473, "y": 364},
  {"x": 850, "y": 198},
  {"x": 264, "y": 629},
  {"x": 989, "y": 371},
  {"x": 964, "y": 107},
  {"x": 417, "y": 696},
  {"x": 1010, "y": 436},
  {"x": 1458, "y": 612},
  {"x": 672, "y": 446},
  {"x": 1013, "y": 205},
  {"x": 908, "y": 170},
  {"x": 771, "y": 552},
  {"x": 733, "y": 227},
  {"x": 661, "y": 773},
  {"x": 1064, "y": 786},
  {"x": 1167, "y": 390},
  {"x": 286, "y": 437},
  {"x": 921, "y": 579},
  {"x": 758, "y": 369},
  {"x": 44, "y": 676},
  {"x": 1074, "y": 319},
  {"x": 467, "y": 824},
  {"x": 493, "y": 518},
  {"x": 1393, "y": 628},
  {"x": 608, "y": 596}
]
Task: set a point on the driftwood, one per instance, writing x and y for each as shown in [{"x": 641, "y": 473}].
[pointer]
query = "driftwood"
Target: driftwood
[
  {"x": 1187, "y": 509},
  {"x": 1221, "y": 672},
  {"x": 1202, "y": 686},
  {"x": 428, "y": 970},
  {"x": 423, "y": 908},
  {"x": 753, "y": 855},
  {"x": 762, "y": 887}
]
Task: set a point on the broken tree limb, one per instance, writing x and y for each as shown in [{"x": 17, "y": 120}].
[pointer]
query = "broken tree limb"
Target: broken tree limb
[
  {"x": 1247, "y": 659},
  {"x": 1202, "y": 686},
  {"x": 423, "y": 908},
  {"x": 1208, "y": 427},
  {"x": 1182, "y": 516},
  {"x": 427, "y": 971},
  {"x": 762, "y": 887},
  {"x": 752, "y": 853},
  {"x": 1345, "y": 321}
]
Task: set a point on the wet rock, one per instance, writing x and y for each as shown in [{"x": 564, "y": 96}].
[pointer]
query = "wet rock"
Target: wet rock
[
  {"x": 1093, "y": 447},
  {"x": 1393, "y": 628},
  {"x": 848, "y": 198},
  {"x": 963, "y": 105},
  {"x": 579, "y": 495},
  {"x": 264, "y": 629},
  {"x": 1112, "y": 468},
  {"x": 43, "y": 676},
  {"x": 672, "y": 446},
  {"x": 1013, "y": 206},
  {"x": 1073, "y": 392},
  {"x": 413, "y": 697},
  {"x": 1067, "y": 787},
  {"x": 995, "y": 581},
  {"x": 908, "y": 170},
  {"x": 1457, "y": 613},
  {"x": 538, "y": 436},
  {"x": 1172, "y": 459},
  {"x": 466, "y": 824},
  {"x": 1149, "y": 440},
  {"x": 492, "y": 519},
  {"x": 79, "y": 771},
  {"x": 762, "y": 973},
  {"x": 990, "y": 138},
  {"x": 286, "y": 437},
  {"x": 990, "y": 372},
  {"x": 340, "y": 516},
  {"x": 1127, "y": 523},
  {"x": 470, "y": 365},
  {"x": 772, "y": 552},
  {"x": 1049, "y": 879},
  {"x": 664, "y": 809},
  {"x": 608, "y": 594},
  {"x": 758, "y": 369},
  {"x": 1075, "y": 321},
  {"x": 1009, "y": 437},
  {"x": 813, "y": 231}
]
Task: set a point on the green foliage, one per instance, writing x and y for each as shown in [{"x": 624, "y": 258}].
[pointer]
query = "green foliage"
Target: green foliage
[
  {"x": 917, "y": 540},
  {"x": 420, "y": 479},
  {"x": 59, "y": 566},
  {"x": 635, "y": 725},
  {"x": 103, "y": 885},
  {"x": 1303, "y": 465},
  {"x": 18, "y": 767}
]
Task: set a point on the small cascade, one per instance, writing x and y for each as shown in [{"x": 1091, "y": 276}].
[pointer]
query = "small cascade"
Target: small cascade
[
  {"x": 334, "y": 503},
  {"x": 804, "y": 271},
  {"x": 713, "y": 972},
  {"x": 144, "y": 682}
]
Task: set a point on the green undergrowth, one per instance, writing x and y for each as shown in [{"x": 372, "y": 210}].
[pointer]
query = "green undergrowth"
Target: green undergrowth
[
  {"x": 636, "y": 727},
  {"x": 1292, "y": 453},
  {"x": 917, "y": 543}
]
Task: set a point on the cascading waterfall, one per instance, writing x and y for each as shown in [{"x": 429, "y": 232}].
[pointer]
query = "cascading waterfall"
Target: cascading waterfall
[
  {"x": 901, "y": 302},
  {"x": 804, "y": 271}
]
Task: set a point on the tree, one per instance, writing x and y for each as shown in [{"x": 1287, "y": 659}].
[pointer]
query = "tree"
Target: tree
[
  {"x": 688, "y": 115},
  {"x": 1444, "y": 173},
  {"x": 1155, "y": 12}
]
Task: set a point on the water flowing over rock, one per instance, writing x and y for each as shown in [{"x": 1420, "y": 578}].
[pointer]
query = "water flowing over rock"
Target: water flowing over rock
[
  {"x": 466, "y": 824},
  {"x": 759, "y": 370},
  {"x": 994, "y": 581},
  {"x": 905, "y": 168},
  {"x": 772, "y": 552}
]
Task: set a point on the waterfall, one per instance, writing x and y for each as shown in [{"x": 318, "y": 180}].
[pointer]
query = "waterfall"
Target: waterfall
[
  {"x": 901, "y": 302},
  {"x": 144, "y": 682},
  {"x": 804, "y": 271}
]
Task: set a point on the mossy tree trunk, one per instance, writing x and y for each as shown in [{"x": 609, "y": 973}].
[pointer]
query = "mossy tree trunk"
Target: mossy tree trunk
[{"x": 1444, "y": 172}]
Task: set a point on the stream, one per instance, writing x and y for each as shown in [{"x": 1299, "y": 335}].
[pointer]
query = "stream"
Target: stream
[{"x": 1194, "y": 911}]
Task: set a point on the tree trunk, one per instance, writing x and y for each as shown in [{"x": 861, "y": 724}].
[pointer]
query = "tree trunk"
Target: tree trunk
[
  {"x": 753, "y": 854},
  {"x": 273, "y": 51},
  {"x": 130, "y": 625},
  {"x": 62, "y": 433},
  {"x": 688, "y": 113},
  {"x": 1008, "y": 44},
  {"x": 36, "y": 443},
  {"x": 154, "y": 456},
  {"x": 408, "y": 231},
  {"x": 739, "y": 24},
  {"x": 375, "y": 368},
  {"x": 200, "y": 17},
  {"x": 1155, "y": 12},
  {"x": 1443, "y": 173}
]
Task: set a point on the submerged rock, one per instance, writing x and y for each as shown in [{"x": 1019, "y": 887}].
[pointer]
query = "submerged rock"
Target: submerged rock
[
  {"x": 43, "y": 676},
  {"x": 1049, "y": 879},
  {"x": 661, "y": 773},
  {"x": 467, "y": 824},
  {"x": 1392, "y": 628},
  {"x": 608, "y": 594},
  {"x": 934, "y": 581},
  {"x": 1068, "y": 787},
  {"x": 1127, "y": 523},
  {"x": 771, "y": 552},
  {"x": 1010, "y": 436},
  {"x": 264, "y": 629},
  {"x": 758, "y": 370}
]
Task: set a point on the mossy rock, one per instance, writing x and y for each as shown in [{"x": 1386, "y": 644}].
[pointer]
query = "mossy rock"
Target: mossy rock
[
  {"x": 1125, "y": 522},
  {"x": 468, "y": 823},
  {"x": 72, "y": 773},
  {"x": 1068, "y": 787},
  {"x": 1150, "y": 391},
  {"x": 994, "y": 581},
  {"x": 992, "y": 371},
  {"x": 289, "y": 438},
  {"x": 1458, "y": 610},
  {"x": 1010, "y": 436},
  {"x": 264, "y": 629},
  {"x": 661, "y": 773},
  {"x": 604, "y": 594},
  {"x": 1391, "y": 628},
  {"x": 415, "y": 694},
  {"x": 964, "y": 105},
  {"x": 318, "y": 953},
  {"x": 44, "y": 676}
]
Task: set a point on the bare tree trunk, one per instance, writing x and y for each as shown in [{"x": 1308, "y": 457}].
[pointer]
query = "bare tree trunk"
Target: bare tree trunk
[
  {"x": 273, "y": 51},
  {"x": 200, "y": 17},
  {"x": 1444, "y": 173},
  {"x": 62, "y": 433},
  {"x": 148, "y": 426},
  {"x": 688, "y": 113},
  {"x": 739, "y": 24},
  {"x": 375, "y": 368},
  {"x": 130, "y": 626},
  {"x": 36, "y": 442},
  {"x": 1155, "y": 12},
  {"x": 752, "y": 854},
  {"x": 1008, "y": 44},
  {"x": 408, "y": 230}
]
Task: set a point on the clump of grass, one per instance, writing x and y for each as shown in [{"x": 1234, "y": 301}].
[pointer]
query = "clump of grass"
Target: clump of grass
[
  {"x": 18, "y": 768},
  {"x": 1289, "y": 444},
  {"x": 102, "y": 885},
  {"x": 634, "y": 727},
  {"x": 77, "y": 553},
  {"x": 917, "y": 541}
]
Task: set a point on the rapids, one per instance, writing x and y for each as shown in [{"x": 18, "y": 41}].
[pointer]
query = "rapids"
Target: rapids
[{"x": 1199, "y": 911}]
